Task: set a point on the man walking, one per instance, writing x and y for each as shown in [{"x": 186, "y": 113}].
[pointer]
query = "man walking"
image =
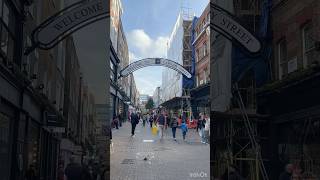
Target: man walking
[
  {"x": 73, "y": 170},
  {"x": 174, "y": 125},
  {"x": 287, "y": 174},
  {"x": 161, "y": 123},
  {"x": 134, "y": 122}
]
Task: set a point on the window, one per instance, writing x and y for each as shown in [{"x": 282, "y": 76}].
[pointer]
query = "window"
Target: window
[
  {"x": 308, "y": 45},
  {"x": 197, "y": 55},
  {"x": 205, "y": 49},
  {"x": 282, "y": 57},
  {"x": 7, "y": 28},
  {"x": 245, "y": 5}
]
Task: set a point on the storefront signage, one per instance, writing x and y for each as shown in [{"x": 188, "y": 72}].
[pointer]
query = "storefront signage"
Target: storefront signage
[
  {"x": 67, "y": 21},
  {"x": 154, "y": 62},
  {"x": 224, "y": 23}
]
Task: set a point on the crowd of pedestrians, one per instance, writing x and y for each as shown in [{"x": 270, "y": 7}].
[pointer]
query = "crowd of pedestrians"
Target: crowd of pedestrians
[{"x": 161, "y": 121}]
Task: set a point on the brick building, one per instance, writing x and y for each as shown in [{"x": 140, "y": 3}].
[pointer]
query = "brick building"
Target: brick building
[
  {"x": 201, "y": 44},
  {"x": 291, "y": 99}
]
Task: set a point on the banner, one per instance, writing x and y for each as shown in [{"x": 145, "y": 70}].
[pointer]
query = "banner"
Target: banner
[
  {"x": 224, "y": 23},
  {"x": 154, "y": 62},
  {"x": 67, "y": 21}
]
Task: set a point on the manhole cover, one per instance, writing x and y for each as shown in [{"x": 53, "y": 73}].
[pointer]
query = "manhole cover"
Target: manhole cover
[{"x": 128, "y": 161}]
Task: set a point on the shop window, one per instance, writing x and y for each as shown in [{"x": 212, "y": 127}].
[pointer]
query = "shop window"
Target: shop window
[
  {"x": 4, "y": 146},
  {"x": 308, "y": 45},
  {"x": 282, "y": 57}
]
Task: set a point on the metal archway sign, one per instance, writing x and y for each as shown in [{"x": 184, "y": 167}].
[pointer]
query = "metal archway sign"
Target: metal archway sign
[
  {"x": 226, "y": 24},
  {"x": 154, "y": 62},
  {"x": 65, "y": 22}
]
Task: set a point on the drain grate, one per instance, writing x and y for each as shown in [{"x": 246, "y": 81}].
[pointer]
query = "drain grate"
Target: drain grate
[{"x": 128, "y": 161}]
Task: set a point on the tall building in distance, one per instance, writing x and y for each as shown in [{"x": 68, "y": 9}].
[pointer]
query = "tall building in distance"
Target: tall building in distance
[
  {"x": 179, "y": 50},
  {"x": 157, "y": 97}
]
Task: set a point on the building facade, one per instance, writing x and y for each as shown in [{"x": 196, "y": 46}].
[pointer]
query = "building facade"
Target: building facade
[
  {"x": 290, "y": 98},
  {"x": 157, "y": 97},
  {"x": 180, "y": 51},
  {"x": 201, "y": 92}
]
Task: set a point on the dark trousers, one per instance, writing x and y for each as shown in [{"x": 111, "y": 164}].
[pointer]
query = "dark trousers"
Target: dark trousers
[
  {"x": 133, "y": 128},
  {"x": 174, "y": 129},
  {"x": 117, "y": 125},
  {"x": 150, "y": 124}
]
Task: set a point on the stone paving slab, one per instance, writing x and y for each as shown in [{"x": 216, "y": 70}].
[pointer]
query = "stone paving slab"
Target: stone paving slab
[{"x": 166, "y": 159}]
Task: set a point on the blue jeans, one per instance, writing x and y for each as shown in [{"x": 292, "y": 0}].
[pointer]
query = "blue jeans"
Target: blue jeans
[
  {"x": 174, "y": 131},
  {"x": 184, "y": 135},
  {"x": 203, "y": 136}
]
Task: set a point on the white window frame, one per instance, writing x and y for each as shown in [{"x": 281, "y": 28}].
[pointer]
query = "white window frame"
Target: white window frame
[
  {"x": 304, "y": 50},
  {"x": 279, "y": 58}
]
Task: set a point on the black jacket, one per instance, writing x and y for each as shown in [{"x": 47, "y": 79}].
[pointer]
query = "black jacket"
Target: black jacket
[{"x": 134, "y": 118}]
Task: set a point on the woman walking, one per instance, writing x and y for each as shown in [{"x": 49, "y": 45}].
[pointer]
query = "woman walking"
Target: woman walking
[
  {"x": 174, "y": 125},
  {"x": 201, "y": 124}
]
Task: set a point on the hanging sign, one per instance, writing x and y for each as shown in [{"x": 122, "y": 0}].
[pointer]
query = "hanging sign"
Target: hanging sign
[
  {"x": 67, "y": 21},
  {"x": 154, "y": 62},
  {"x": 224, "y": 23}
]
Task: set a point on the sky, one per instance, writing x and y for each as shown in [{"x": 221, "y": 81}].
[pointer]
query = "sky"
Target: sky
[
  {"x": 91, "y": 46},
  {"x": 148, "y": 25}
]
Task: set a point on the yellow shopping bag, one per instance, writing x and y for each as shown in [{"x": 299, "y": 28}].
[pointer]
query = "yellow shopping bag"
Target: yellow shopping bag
[{"x": 154, "y": 130}]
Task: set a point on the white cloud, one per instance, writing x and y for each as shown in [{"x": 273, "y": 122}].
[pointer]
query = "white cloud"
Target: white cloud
[
  {"x": 145, "y": 46},
  {"x": 141, "y": 45},
  {"x": 132, "y": 57}
]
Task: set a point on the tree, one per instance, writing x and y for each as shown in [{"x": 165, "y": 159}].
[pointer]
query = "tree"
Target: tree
[{"x": 150, "y": 104}]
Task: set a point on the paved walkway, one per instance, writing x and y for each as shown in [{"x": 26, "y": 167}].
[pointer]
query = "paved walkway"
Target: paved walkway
[{"x": 165, "y": 159}]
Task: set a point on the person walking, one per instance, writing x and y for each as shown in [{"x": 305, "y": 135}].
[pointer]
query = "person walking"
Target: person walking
[
  {"x": 198, "y": 122},
  {"x": 161, "y": 123},
  {"x": 115, "y": 121},
  {"x": 73, "y": 170},
  {"x": 174, "y": 125},
  {"x": 201, "y": 124},
  {"x": 31, "y": 173},
  {"x": 287, "y": 173},
  {"x": 134, "y": 122},
  {"x": 184, "y": 130},
  {"x": 120, "y": 120},
  {"x": 207, "y": 130},
  {"x": 144, "y": 120},
  {"x": 151, "y": 120}
]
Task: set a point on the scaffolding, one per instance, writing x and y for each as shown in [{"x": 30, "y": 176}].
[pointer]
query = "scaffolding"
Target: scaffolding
[{"x": 240, "y": 136}]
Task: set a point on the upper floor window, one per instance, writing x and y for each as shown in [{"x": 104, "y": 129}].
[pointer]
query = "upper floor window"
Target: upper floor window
[
  {"x": 7, "y": 30},
  {"x": 205, "y": 50},
  {"x": 282, "y": 57},
  {"x": 308, "y": 45}
]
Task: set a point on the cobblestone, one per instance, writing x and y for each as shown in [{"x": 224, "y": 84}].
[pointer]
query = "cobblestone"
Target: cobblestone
[{"x": 165, "y": 159}]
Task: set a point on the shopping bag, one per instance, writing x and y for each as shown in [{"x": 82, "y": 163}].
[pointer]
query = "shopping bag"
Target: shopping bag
[{"x": 154, "y": 130}]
